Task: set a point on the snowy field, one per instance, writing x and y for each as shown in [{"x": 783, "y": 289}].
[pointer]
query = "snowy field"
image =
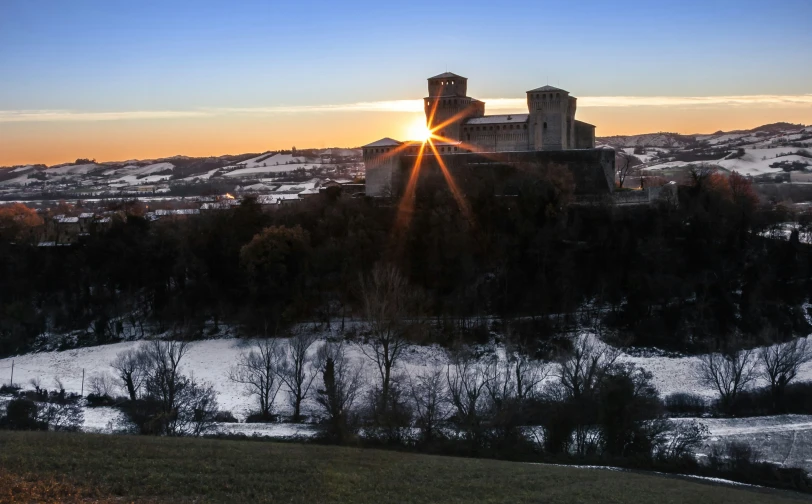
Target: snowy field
[
  {"x": 754, "y": 162},
  {"x": 781, "y": 439},
  {"x": 210, "y": 360},
  {"x": 785, "y": 439}
]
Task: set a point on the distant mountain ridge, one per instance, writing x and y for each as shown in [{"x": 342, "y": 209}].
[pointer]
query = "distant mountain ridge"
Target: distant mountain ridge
[
  {"x": 180, "y": 159},
  {"x": 677, "y": 140}
]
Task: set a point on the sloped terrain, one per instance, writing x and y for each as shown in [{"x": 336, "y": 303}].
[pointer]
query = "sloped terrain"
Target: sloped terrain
[
  {"x": 763, "y": 153},
  {"x": 199, "y": 470}
]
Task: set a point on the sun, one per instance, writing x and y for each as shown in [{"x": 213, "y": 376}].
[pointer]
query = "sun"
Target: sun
[{"x": 419, "y": 131}]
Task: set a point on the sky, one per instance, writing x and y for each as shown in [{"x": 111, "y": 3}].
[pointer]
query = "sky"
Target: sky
[{"x": 139, "y": 80}]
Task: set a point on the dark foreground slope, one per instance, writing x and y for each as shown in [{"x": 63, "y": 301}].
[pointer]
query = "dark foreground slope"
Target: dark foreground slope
[{"x": 108, "y": 468}]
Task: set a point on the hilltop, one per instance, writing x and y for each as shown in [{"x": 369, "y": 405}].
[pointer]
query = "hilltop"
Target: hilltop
[
  {"x": 769, "y": 154},
  {"x": 177, "y": 175}
]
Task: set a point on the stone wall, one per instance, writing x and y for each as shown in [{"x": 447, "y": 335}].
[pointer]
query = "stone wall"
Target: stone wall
[
  {"x": 584, "y": 135},
  {"x": 498, "y": 140},
  {"x": 382, "y": 172},
  {"x": 592, "y": 170}
]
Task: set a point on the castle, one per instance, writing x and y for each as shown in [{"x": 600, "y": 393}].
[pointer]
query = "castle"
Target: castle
[{"x": 460, "y": 126}]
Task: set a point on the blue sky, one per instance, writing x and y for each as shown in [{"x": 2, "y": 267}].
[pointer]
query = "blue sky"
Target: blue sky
[{"x": 185, "y": 55}]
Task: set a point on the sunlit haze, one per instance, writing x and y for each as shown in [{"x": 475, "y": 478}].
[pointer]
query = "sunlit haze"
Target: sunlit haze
[{"x": 117, "y": 81}]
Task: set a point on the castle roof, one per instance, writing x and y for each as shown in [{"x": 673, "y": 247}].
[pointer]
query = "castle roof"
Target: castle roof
[
  {"x": 447, "y": 75},
  {"x": 584, "y": 123},
  {"x": 383, "y": 142},
  {"x": 547, "y": 89},
  {"x": 499, "y": 119}
]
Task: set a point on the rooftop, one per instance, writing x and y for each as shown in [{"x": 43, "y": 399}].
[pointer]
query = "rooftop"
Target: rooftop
[
  {"x": 384, "y": 142},
  {"x": 447, "y": 75},
  {"x": 499, "y": 119},
  {"x": 543, "y": 89}
]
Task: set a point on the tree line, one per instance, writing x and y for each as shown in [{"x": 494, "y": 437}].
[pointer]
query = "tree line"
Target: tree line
[{"x": 682, "y": 275}]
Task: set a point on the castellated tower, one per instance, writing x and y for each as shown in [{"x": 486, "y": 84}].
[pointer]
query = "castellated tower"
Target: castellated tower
[
  {"x": 552, "y": 118},
  {"x": 448, "y": 93}
]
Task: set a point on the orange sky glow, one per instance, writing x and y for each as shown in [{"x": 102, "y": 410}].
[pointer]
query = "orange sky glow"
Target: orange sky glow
[{"x": 57, "y": 137}]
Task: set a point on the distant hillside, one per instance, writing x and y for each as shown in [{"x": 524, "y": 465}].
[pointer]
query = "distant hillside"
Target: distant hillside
[
  {"x": 676, "y": 140},
  {"x": 648, "y": 140}
]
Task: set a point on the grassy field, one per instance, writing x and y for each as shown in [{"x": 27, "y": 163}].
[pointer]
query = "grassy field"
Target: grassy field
[{"x": 104, "y": 468}]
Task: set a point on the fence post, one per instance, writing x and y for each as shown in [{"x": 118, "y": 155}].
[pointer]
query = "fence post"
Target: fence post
[{"x": 82, "y": 393}]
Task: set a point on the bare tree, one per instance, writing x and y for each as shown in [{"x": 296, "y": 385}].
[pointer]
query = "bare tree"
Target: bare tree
[
  {"x": 625, "y": 164},
  {"x": 131, "y": 368},
  {"x": 258, "y": 370},
  {"x": 296, "y": 370},
  {"x": 164, "y": 380},
  {"x": 676, "y": 440},
  {"x": 384, "y": 294},
  {"x": 428, "y": 392},
  {"x": 586, "y": 365},
  {"x": 729, "y": 373},
  {"x": 196, "y": 407},
  {"x": 517, "y": 377},
  {"x": 467, "y": 392},
  {"x": 173, "y": 404},
  {"x": 781, "y": 362},
  {"x": 102, "y": 384},
  {"x": 60, "y": 415},
  {"x": 341, "y": 383}
]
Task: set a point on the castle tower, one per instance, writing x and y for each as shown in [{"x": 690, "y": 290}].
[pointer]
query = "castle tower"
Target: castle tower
[
  {"x": 552, "y": 118},
  {"x": 448, "y": 93}
]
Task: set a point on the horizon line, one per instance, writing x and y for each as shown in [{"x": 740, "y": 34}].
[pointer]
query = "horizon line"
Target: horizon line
[{"x": 398, "y": 106}]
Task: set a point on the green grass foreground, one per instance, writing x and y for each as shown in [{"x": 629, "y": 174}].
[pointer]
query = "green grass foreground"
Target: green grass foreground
[{"x": 206, "y": 470}]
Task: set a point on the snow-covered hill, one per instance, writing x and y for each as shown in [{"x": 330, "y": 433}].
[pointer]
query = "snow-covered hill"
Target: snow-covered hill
[
  {"x": 766, "y": 152},
  {"x": 133, "y": 177},
  {"x": 781, "y": 439}
]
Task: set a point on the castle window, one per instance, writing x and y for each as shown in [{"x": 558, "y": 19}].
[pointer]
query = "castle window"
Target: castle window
[
  {"x": 558, "y": 95},
  {"x": 545, "y": 125}
]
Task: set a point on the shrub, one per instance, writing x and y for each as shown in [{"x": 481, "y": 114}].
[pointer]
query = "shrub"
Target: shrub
[
  {"x": 224, "y": 417},
  {"x": 95, "y": 401},
  {"x": 22, "y": 414},
  {"x": 258, "y": 417},
  {"x": 681, "y": 404},
  {"x": 797, "y": 399},
  {"x": 11, "y": 390}
]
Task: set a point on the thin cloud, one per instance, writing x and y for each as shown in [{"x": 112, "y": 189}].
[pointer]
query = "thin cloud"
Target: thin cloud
[
  {"x": 410, "y": 106},
  {"x": 666, "y": 101},
  {"x": 681, "y": 101},
  {"x": 72, "y": 115}
]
